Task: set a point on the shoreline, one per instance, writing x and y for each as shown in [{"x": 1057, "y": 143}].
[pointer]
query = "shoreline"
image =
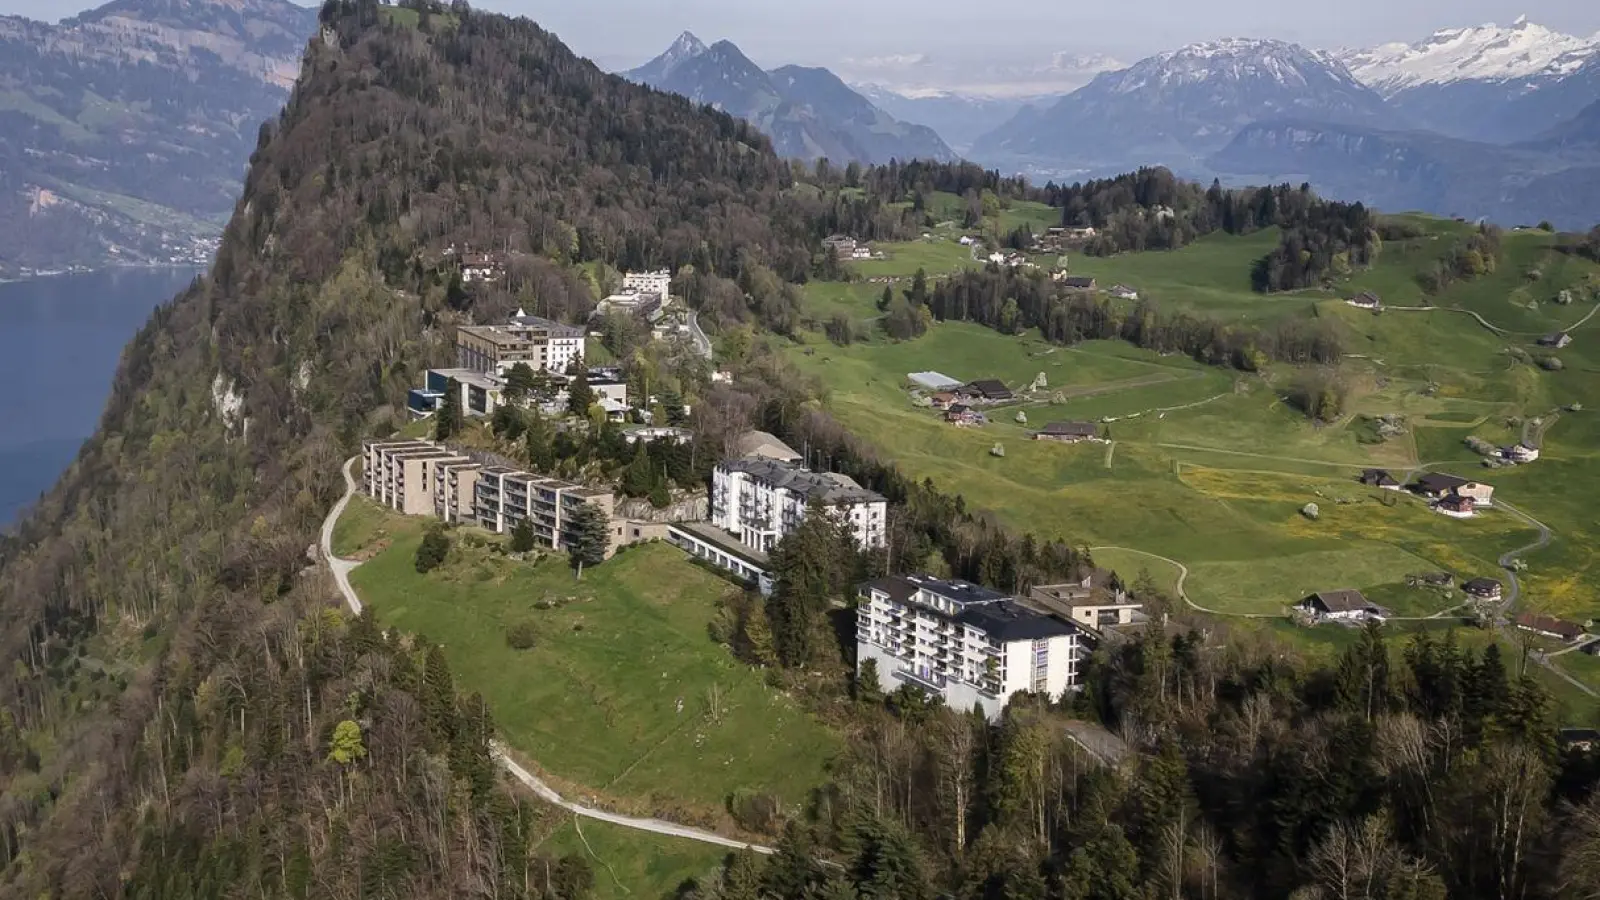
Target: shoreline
[{"x": 105, "y": 270}]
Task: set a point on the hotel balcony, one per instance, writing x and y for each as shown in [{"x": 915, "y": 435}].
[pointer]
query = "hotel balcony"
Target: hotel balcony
[{"x": 929, "y": 682}]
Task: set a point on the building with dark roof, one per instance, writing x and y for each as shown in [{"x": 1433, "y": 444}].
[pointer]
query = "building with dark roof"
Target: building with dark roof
[
  {"x": 1341, "y": 604},
  {"x": 1482, "y": 588},
  {"x": 990, "y": 389},
  {"x": 968, "y": 644},
  {"x": 760, "y": 500},
  {"x": 1550, "y": 626},
  {"x": 1380, "y": 478},
  {"x": 1068, "y": 432}
]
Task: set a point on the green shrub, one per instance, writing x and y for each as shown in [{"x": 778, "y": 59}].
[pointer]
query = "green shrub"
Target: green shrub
[
  {"x": 522, "y": 636},
  {"x": 432, "y": 551}
]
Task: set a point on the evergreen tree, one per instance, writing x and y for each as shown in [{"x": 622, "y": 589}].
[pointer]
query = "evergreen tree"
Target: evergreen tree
[
  {"x": 520, "y": 383},
  {"x": 432, "y": 551},
  {"x": 660, "y": 494},
  {"x": 810, "y": 565},
  {"x": 522, "y": 538},
  {"x": 439, "y": 695},
  {"x": 886, "y": 299},
  {"x": 640, "y": 475},
  {"x": 448, "y": 420},
  {"x": 579, "y": 395},
  {"x": 539, "y": 444},
  {"x": 589, "y": 539}
]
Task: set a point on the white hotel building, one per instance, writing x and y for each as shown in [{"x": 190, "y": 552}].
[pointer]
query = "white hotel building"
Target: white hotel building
[
  {"x": 968, "y": 644},
  {"x": 759, "y": 501}
]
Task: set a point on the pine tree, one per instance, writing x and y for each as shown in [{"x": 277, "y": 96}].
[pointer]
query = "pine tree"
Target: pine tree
[
  {"x": 540, "y": 446},
  {"x": 810, "y": 566},
  {"x": 522, "y": 538},
  {"x": 589, "y": 538},
  {"x": 579, "y": 395},
  {"x": 448, "y": 420},
  {"x": 640, "y": 476},
  {"x": 433, "y": 550},
  {"x": 439, "y": 696},
  {"x": 520, "y": 382}
]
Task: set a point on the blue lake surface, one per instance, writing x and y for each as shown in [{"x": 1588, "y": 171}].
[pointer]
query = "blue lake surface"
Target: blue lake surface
[{"x": 60, "y": 340}]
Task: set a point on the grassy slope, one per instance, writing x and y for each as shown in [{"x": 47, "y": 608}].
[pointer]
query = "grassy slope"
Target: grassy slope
[
  {"x": 594, "y": 703},
  {"x": 1218, "y": 486},
  {"x": 633, "y": 864}
]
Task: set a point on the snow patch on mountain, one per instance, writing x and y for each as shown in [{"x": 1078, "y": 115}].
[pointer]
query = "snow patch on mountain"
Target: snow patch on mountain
[{"x": 1483, "y": 53}]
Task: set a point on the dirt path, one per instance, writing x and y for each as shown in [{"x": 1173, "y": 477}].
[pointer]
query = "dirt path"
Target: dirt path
[
  {"x": 341, "y": 569},
  {"x": 1183, "y": 576}
]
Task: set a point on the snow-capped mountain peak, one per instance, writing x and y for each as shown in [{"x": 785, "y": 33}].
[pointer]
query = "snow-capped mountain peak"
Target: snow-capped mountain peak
[
  {"x": 1234, "y": 60},
  {"x": 1489, "y": 52}
]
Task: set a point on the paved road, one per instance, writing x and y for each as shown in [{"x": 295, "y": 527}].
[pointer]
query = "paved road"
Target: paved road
[
  {"x": 702, "y": 344},
  {"x": 341, "y": 574}
]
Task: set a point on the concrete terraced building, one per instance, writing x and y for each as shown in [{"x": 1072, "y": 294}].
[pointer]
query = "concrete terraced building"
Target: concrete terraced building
[
  {"x": 968, "y": 644},
  {"x": 421, "y": 478}
]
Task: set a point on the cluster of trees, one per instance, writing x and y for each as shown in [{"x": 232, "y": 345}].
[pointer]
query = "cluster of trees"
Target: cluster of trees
[
  {"x": 1388, "y": 776},
  {"x": 1321, "y": 239},
  {"x": 1474, "y": 256},
  {"x": 584, "y": 450},
  {"x": 1320, "y": 393},
  {"x": 1012, "y": 301}
]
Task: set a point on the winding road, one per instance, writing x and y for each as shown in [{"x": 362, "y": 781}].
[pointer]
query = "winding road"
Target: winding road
[{"x": 342, "y": 568}]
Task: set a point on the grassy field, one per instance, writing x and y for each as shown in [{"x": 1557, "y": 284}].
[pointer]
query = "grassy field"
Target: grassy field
[
  {"x": 1211, "y": 468},
  {"x": 633, "y": 864},
  {"x": 596, "y": 702}
]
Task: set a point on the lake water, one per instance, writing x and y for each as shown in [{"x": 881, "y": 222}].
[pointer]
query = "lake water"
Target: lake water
[{"x": 60, "y": 340}]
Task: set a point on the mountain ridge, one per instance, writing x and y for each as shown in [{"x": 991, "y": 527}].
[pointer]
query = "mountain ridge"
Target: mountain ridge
[
  {"x": 130, "y": 126},
  {"x": 809, "y": 112},
  {"x": 1178, "y": 106}
]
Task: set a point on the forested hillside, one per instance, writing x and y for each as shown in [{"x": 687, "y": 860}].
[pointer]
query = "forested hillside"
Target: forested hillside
[
  {"x": 186, "y": 713},
  {"x": 176, "y": 688}
]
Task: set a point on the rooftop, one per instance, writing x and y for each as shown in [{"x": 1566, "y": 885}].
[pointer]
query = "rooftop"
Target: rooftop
[
  {"x": 1341, "y": 601},
  {"x": 1006, "y": 621},
  {"x": 762, "y": 444},
  {"x": 1071, "y": 429},
  {"x": 1440, "y": 481}
]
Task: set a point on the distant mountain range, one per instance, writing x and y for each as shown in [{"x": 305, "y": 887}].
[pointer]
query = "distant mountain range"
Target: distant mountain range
[
  {"x": 808, "y": 112},
  {"x": 1484, "y": 121},
  {"x": 1176, "y": 108},
  {"x": 124, "y": 132}
]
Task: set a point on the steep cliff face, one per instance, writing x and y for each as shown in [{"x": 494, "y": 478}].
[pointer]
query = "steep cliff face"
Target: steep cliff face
[
  {"x": 129, "y": 126},
  {"x": 172, "y": 672}
]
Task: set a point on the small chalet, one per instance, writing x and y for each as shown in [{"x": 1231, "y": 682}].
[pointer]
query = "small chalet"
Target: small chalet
[
  {"x": 1439, "y": 485},
  {"x": 1346, "y": 605},
  {"x": 1520, "y": 453},
  {"x": 1578, "y": 740},
  {"x": 1483, "y": 589},
  {"x": 1556, "y": 341},
  {"x": 1123, "y": 292},
  {"x": 1068, "y": 432},
  {"x": 943, "y": 400},
  {"x": 1074, "y": 282},
  {"x": 1380, "y": 478},
  {"x": 990, "y": 389},
  {"x": 1457, "y": 507},
  {"x": 1550, "y": 626},
  {"x": 962, "y": 415},
  {"x": 1366, "y": 300}
]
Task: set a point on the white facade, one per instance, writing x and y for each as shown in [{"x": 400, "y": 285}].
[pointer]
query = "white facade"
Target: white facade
[
  {"x": 970, "y": 645},
  {"x": 759, "y": 501},
  {"x": 648, "y": 283}
]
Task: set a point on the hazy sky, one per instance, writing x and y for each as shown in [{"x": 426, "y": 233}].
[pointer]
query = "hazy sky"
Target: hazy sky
[{"x": 623, "y": 33}]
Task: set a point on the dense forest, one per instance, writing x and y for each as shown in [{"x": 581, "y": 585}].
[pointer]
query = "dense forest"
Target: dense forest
[
  {"x": 1013, "y": 301},
  {"x": 186, "y": 713}
]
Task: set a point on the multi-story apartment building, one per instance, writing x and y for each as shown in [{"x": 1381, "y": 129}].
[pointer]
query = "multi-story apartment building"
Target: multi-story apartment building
[
  {"x": 400, "y": 474},
  {"x": 968, "y": 644},
  {"x": 503, "y": 498},
  {"x": 541, "y": 343},
  {"x": 455, "y": 491},
  {"x": 759, "y": 501},
  {"x": 659, "y": 283}
]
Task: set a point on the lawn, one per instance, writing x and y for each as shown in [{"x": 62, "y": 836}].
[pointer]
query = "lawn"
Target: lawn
[
  {"x": 934, "y": 256},
  {"x": 624, "y": 695},
  {"x": 633, "y": 864}
]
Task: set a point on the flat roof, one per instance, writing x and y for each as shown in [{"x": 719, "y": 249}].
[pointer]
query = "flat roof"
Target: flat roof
[
  {"x": 723, "y": 541},
  {"x": 827, "y": 487}
]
